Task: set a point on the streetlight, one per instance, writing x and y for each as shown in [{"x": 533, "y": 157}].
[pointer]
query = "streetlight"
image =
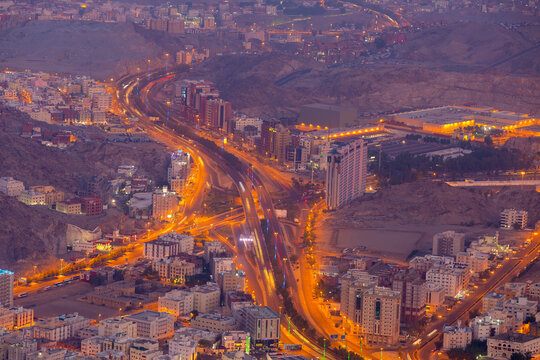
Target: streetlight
[
  {"x": 148, "y": 69},
  {"x": 168, "y": 109},
  {"x": 167, "y": 62}
]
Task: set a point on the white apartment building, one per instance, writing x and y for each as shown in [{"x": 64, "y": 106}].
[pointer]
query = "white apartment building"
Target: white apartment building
[
  {"x": 423, "y": 263},
  {"x": 262, "y": 323},
  {"x": 346, "y": 173},
  {"x": 456, "y": 336},
  {"x": 381, "y": 311},
  {"x": 185, "y": 242},
  {"x": 476, "y": 260},
  {"x": 448, "y": 243},
  {"x": 111, "y": 327},
  {"x": 491, "y": 301},
  {"x": 10, "y": 186},
  {"x": 31, "y": 197},
  {"x": 176, "y": 302},
  {"x": 453, "y": 278},
  {"x": 60, "y": 327},
  {"x": 6, "y": 288},
  {"x": 520, "y": 308},
  {"x": 504, "y": 345},
  {"x": 206, "y": 297},
  {"x": 183, "y": 348},
  {"x": 214, "y": 322},
  {"x": 152, "y": 324},
  {"x": 234, "y": 340},
  {"x": 484, "y": 326},
  {"x": 16, "y": 317},
  {"x": 231, "y": 280},
  {"x": 510, "y": 217}
]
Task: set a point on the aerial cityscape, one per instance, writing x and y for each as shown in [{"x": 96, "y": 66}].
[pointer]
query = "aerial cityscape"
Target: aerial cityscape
[{"x": 269, "y": 179}]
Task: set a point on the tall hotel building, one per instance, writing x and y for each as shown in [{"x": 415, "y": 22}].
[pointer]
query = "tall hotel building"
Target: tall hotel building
[{"x": 346, "y": 174}]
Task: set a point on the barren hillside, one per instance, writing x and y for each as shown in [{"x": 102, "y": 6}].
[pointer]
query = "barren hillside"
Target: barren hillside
[{"x": 436, "y": 203}]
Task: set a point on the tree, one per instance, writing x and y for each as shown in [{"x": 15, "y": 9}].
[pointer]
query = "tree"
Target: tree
[{"x": 488, "y": 140}]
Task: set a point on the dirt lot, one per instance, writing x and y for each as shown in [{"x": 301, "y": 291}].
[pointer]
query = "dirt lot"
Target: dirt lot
[{"x": 58, "y": 301}]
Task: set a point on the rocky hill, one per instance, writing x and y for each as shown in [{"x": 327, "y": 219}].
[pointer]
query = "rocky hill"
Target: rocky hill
[
  {"x": 100, "y": 50},
  {"x": 436, "y": 203},
  {"x": 251, "y": 83}
]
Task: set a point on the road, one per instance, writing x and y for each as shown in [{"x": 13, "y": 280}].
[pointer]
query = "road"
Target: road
[
  {"x": 510, "y": 268},
  {"x": 255, "y": 261}
]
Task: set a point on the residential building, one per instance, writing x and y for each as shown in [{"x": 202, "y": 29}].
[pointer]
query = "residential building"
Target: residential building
[
  {"x": 413, "y": 291},
  {"x": 279, "y": 140},
  {"x": 152, "y": 324},
  {"x": 52, "y": 196},
  {"x": 183, "y": 348},
  {"x": 31, "y": 197},
  {"x": 185, "y": 242},
  {"x": 213, "y": 248},
  {"x": 72, "y": 206},
  {"x": 381, "y": 311},
  {"x": 231, "y": 280},
  {"x": 511, "y": 218},
  {"x": 353, "y": 284},
  {"x": 176, "y": 302},
  {"x": 491, "y": 301},
  {"x": 476, "y": 260},
  {"x": 346, "y": 173},
  {"x": 206, "y": 297},
  {"x": 423, "y": 263},
  {"x": 10, "y": 186},
  {"x": 521, "y": 308},
  {"x": 6, "y": 318},
  {"x": 144, "y": 349},
  {"x": 221, "y": 264},
  {"x": 173, "y": 269},
  {"x": 160, "y": 249},
  {"x": 435, "y": 295},
  {"x": 164, "y": 204},
  {"x": 114, "y": 326},
  {"x": 262, "y": 323},
  {"x": 60, "y": 327},
  {"x": 180, "y": 165},
  {"x": 235, "y": 340},
  {"x": 448, "y": 243},
  {"x": 454, "y": 278},
  {"x": 534, "y": 291},
  {"x": 91, "y": 205},
  {"x": 214, "y": 322},
  {"x": 485, "y": 326},
  {"x": 504, "y": 345},
  {"x": 92, "y": 346},
  {"x": 6, "y": 288},
  {"x": 456, "y": 336}
]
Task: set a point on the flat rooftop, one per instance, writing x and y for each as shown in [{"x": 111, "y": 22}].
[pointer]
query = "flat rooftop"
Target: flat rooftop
[
  {"x": 454, "y": 114},
  {"x": 515, "y": 337}
]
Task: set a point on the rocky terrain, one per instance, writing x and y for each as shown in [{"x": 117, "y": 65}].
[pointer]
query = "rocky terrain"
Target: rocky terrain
[
  {"x": 435, "y": 203},
  {"x": 100, "y": 50},
  {"x": 33, "y": 233}
]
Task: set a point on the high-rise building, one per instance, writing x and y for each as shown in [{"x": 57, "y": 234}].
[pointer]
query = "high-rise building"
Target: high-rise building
[
  {"x": 448, "y": 243},
  {"x": 353, "y": 284},
  {"x": 413, "y": 291},
  {"x": 164, "y": 204},
  {"x": 180, "y": 165},
  {"x": 381, "y": 312},
  {"x": 218, "y": 115},
  {"x": 262, "y": 323},
  {"x": 346, "y": 174},
  {"x": 279, "y": 141},
  {"x": 513, "y": 217},
  {"x": 6, "y": 288}
]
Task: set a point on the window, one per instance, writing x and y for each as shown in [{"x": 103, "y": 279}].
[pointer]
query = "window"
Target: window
[{"x": 378, "y": 310}]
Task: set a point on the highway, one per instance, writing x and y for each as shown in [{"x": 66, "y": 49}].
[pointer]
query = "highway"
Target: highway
[{"x": 254, "y": 260}]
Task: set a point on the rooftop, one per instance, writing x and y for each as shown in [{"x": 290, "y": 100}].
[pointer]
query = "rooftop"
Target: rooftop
[{"x": 515, "y": 337}]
